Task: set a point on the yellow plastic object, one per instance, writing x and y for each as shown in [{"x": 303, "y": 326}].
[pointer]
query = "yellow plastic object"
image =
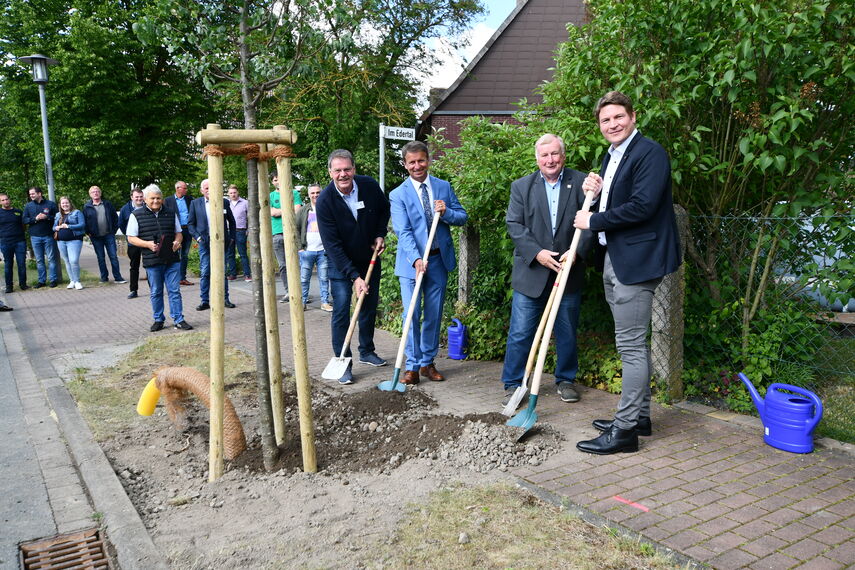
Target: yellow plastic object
[{"x": 148, "y": 399}]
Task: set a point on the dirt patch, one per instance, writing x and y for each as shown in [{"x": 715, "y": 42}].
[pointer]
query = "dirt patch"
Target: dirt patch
[{"x": 377, "y": 452}]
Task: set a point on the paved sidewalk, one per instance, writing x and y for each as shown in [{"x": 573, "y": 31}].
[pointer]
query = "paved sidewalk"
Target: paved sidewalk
[{"x": 704, "y": 485}]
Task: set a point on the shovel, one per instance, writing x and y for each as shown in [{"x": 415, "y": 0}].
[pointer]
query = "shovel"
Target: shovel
[
  {"x": 338, "y": 365},
  {"x": 519, "y": 393},
  {"x": 390, "y": 385},
  {"x": 526, "y": 418}
]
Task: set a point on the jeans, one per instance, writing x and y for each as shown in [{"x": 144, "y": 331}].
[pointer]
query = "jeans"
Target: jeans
[
  {"x": 107, "y": 243},
  {"x": 186, "y": 244},
  {"x": 14, "y": 252},
  {"x": 279, "y": 252},
  {"x": 205, "y": 271},
  {"x": 70, "y": 252},
  {"x": 240, "y": 244},
  {"x": 525, "y": 316},
  {"x": 423, "y": 338},
  {"x": 135, "y": 255},
  {"x": 45, "y": 247},
  {"x": 168, "y": 276},
  {"x": 342, "y": 291},
  {"x": 308, "y": 259},
  {"x": 632, "y": 307}
]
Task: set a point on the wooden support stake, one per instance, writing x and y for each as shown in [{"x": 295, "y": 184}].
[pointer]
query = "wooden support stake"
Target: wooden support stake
[
  {"x": 298, "y": 325},
  {"x": 216, "y": 251},
  {"x": 218, "y": 136},
  {"x": 271, "y": 312}
]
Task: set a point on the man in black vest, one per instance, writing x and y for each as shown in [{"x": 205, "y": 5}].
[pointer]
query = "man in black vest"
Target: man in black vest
[{"x": 156, "y": 230}]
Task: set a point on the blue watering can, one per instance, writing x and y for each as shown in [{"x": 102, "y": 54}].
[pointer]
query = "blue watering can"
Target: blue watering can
[
  {"x": 457, "y": 340},
  {"x": 788, "y": 419}
]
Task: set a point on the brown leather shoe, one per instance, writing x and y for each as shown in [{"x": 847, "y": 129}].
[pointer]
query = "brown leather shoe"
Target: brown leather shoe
[
  {"x": 185, "y": 282},
  {"x": 410, "y": 377},
  {"x": 431, "y": 373}
]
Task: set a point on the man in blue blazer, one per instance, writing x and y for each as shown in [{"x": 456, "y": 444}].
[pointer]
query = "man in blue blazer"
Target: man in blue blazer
[
  {"x": 199, "y": 228},
  {"x": 180, "y": 204},
  {"x": 353, "y": 218},
  {"x": 636, "y": 245},
  {"x": 413, "y": 204}
]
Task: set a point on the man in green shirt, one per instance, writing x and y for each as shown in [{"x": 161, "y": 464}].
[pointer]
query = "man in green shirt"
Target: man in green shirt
[{"x": 276, "y": 226}]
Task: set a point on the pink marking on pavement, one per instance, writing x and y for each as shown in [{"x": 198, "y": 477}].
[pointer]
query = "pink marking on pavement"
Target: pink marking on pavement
[{"x": 630, "y": 503}]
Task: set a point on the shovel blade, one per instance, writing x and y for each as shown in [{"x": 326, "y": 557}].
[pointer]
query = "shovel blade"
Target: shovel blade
[
  {"x": 515, "y": 400},
  {"x": 393, "y": 385},
  {"x": 336, "y": 368},
  {"x": 526, "y": 418}
]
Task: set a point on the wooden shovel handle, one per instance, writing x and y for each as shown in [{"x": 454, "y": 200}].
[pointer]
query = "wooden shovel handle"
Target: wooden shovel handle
[
  {"x": 535, "y": 343},
  {"x": 358, "y": 306},
  {"x": 553, "y": 312}
]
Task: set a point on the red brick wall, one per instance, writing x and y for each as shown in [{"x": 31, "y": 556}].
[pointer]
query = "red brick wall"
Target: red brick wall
[{"x": 451, "y": 125}]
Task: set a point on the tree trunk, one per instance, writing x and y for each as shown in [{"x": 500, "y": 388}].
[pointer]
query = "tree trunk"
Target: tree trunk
[{"x": 470, "y": 252}]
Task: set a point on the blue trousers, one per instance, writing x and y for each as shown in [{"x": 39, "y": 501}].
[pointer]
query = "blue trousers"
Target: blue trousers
[
  {"x": 102, "y": 244},
  {"x": 423, "y": 338},
  {"x": 342, "y": 291},
  {"x": 231, "y": 264},
  {"x": 165, "y": 276},
  {"x": 525, "y": 316},
  {"x": 308, "y": 259},
  {"x": 14, "y": 252},
  {"x": 205, "y": 272},
  {"x": 45, "y": 247},
  {"x": 70, "y": 253},
  {"x": 186, "y": 244}
]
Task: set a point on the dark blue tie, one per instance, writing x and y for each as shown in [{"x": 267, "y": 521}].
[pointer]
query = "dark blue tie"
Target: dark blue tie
[{"x": 426, "y": 205}]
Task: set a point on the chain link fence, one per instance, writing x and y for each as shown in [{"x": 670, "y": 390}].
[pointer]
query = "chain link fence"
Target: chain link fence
[{"x": 772, "y": 297}]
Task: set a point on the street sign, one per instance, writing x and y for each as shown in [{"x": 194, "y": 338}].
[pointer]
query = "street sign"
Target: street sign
[{"x": 399, "y": 133}]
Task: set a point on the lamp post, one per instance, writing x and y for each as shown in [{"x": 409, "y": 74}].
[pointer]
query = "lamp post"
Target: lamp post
[{"x": 40, "y": 65}]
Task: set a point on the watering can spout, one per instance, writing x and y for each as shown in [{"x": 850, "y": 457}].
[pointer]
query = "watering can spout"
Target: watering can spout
[{"x": 755, "y": 396}]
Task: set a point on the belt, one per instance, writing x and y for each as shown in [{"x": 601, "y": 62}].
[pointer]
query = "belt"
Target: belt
[{"x": 434, "y": 251}]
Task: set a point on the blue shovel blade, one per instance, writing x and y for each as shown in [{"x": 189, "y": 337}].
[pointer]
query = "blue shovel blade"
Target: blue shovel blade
[
  {"x": 526, "y": 418},
  {"x": 393, "y": 384}
]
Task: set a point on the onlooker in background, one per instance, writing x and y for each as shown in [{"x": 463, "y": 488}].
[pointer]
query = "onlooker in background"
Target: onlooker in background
[
  {"x": 39, "y": 214},
  {"x": 69, "y": 226},
  {"x": 199, "y": 227},
  {"x": 13, "y": 242},
  {"x": 155, "y": 229},
  {"x": 312, "y": 250},
  {"x": 239, "y": 207},
  {"x": 180, "y": 204},
  {"x": 134, "y": 253},
  {"x": 276, "y": 228},
  {"x": 102, "y": 221},
  {"x": 353, "y": 218}
]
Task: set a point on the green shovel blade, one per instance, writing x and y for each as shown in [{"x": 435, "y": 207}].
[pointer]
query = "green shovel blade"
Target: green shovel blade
[{"x": 393, "y": 384}]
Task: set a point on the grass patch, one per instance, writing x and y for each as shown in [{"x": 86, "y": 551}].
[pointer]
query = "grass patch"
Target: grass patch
[
  {"x": 108, "y": 400},
  {"x": 507, "y": 528}
]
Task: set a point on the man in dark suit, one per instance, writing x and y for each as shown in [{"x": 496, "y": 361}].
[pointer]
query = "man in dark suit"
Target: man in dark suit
[
  {"x": 411, "y": 204},
  {"x": 199, "y": 228},
  {"x": 637, "y": 245},
  {"x": 180, "y": 204},
  {"x": 353, "y": 215},
  {"x": 540, "y": 222}
]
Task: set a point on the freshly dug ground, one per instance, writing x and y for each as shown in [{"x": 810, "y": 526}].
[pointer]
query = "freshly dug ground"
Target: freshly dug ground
[{"x": 377, "y": 452}]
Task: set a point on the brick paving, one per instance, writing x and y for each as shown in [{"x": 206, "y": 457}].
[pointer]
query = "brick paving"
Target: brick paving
[{"x": 704, "y": 484}]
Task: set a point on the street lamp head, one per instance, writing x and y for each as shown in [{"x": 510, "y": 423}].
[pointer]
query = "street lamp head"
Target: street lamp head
[{"x": 39, "y": 63}]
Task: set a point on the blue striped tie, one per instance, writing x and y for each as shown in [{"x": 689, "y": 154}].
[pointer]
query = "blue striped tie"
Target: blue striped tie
[{"x": 426, "y": 205}]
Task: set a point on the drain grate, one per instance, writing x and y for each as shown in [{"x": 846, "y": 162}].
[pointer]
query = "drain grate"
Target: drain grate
[{"x": 81, "y": 549}]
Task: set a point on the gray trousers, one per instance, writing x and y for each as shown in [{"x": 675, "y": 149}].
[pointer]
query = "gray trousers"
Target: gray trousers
[
  {"x": 279, "y": 252},
  {"x": 632, "y": 306}
]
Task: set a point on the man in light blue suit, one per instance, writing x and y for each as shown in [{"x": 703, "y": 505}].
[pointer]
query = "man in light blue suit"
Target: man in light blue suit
[{"x": 413, "y": 204}]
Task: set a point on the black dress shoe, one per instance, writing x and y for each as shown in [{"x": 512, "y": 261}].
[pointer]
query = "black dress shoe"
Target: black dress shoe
[
  {"x": 132, "y": 295},
  {"x": 24, "y": 287},
  {"x": 8, "y": 290},
  {"x": 614, "y": 440},
  {"x": 39, "y": 285},
  {"x": 203, "y": 307},
  {"x": 156, "y": 326},
  {"x": 53, "y": 284},
  {"x": 642, "y": 427},
  {"x": 230, "y": 305}
]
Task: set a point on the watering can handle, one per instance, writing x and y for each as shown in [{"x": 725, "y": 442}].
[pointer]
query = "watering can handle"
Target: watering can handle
[
  {"x": 457, "y": 323},
  {"x": 811, "y": 423}
]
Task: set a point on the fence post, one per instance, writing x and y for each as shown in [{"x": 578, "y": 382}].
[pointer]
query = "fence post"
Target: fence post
[
  {"x": 666, "y": 343},
  {"x": 469, "y": 255}
]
